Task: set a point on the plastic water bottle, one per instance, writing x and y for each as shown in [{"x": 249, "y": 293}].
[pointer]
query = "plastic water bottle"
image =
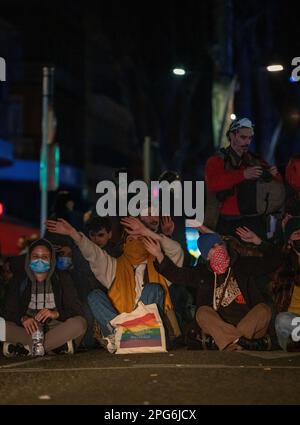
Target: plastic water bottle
[{"x": 38, "y": 342}]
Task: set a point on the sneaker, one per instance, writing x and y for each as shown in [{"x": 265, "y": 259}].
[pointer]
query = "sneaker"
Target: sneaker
[
  {"x": 260, "y": 344},
  {"x": 196, "y": 339},
  {"x": 109, "y": 343},
  {"x": 12, "y": 350},
  {"x": 208, "y": 342},
  {"x": 67, "y": 348}
]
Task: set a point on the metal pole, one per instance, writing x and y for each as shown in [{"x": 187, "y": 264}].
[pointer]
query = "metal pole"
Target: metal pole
[
  {"x": 44, "y": 152},
  {"x": 147, "y": 159}
]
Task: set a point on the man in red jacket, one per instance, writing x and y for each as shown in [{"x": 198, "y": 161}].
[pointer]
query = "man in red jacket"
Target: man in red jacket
[{"x": 228, "y": 169}]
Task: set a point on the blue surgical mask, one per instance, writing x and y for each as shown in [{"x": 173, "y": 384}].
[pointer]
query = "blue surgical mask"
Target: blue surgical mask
[
  {"x": 39, "y": 266},
  {"x": 63, "y": 263}
]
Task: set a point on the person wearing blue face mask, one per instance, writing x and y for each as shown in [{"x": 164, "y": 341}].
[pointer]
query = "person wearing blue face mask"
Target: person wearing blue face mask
[
  {"x": 46, "y": 299},
  {"x": 63, "y": 263},
  {"x": 64, "y": 258},
  {"x": 69, "y": 258},
  {"x": 39, "y": 265}
]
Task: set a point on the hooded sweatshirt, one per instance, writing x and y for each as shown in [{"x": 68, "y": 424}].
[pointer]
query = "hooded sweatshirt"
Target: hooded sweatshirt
[
  {"x": 42, "y": 295},
  {"x": 25, "y": 296}
]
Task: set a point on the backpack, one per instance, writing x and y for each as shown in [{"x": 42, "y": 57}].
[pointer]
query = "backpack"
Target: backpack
[{"x": 260, "y": 197}]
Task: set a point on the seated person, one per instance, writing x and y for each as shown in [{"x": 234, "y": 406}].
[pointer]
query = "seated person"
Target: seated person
[
  {"x": 46, "y": 299},
  {"x": 230, "y": 308},
  {"x": 70, "y": 258},
  {"x": 286, "y": 289},
  {"x": 99, "y": 231},
  {"x": 129, "y": 278}
]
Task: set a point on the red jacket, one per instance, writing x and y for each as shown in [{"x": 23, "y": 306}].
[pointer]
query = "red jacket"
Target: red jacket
[{"x": 218, "y": 179}]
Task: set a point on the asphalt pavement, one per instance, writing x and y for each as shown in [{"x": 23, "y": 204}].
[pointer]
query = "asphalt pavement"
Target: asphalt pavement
[{"x": 179, "y": 377}]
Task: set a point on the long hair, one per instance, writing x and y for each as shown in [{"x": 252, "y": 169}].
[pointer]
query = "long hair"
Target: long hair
[{"x": 284, "y": 279}]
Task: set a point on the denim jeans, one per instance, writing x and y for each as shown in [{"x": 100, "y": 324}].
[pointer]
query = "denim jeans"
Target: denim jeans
[
  {"x": 284, "y": 327},
  {"x": 88, "y": 339},
  {"x": 104, "y": 311}
]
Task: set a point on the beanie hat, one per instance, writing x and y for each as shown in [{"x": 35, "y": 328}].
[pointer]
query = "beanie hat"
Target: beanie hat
[{"x": 207, "y": 241}]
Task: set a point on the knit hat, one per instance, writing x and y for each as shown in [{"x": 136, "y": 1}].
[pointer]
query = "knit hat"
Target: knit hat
[
  {"x": 207, "y": 241},
  {"x": 291, "y": 226}
]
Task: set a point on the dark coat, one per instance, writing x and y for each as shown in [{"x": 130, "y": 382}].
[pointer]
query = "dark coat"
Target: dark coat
[
  {"x": 65, "y": 295},
  {"x": 245, "y": 270}
]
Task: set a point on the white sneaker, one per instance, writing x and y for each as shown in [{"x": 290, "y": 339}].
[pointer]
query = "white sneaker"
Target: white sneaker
[
  {"x": 109, "y": 343},
  {"x": 12, "y": 350}
]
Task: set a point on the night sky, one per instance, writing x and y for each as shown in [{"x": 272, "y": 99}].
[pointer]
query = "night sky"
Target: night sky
[{"x": 114, "y": 84}]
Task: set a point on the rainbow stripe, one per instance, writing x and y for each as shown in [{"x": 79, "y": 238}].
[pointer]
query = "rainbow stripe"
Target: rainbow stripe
[{"x": 141, "y": 332}]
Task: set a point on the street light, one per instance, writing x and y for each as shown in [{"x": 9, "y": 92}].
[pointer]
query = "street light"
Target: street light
[
  {"x": 275, "y": 68},
  {"x": 179, "y": 71},
  {"x": 232, "y": 117}
]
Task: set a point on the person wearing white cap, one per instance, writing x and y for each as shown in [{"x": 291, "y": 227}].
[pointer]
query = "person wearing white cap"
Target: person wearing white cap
[{"x": 231, "y": 177}]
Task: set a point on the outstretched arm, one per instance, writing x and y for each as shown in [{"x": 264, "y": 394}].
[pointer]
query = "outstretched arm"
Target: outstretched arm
[
  {"x": 102, "y": 265},
  {"x": 166, "y": 267},
  {"x": 62, "y": 227}
]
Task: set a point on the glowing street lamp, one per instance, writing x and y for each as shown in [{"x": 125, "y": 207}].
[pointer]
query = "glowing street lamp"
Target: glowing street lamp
[
  {"x": 179, "y": 71},
  {"x": 275, "y": 68}
]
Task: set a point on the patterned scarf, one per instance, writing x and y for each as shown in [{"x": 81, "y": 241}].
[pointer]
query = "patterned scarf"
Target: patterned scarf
[
  {"x": 220, "y": 260},
  {"x": 226, "y": 293}
]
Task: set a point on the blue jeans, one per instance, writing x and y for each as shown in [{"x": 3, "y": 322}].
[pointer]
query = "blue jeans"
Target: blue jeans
[
  {"x": 104, "y": 311},
  {"x": 284, "y": 327},
  {"x": 88, "y": 339}
]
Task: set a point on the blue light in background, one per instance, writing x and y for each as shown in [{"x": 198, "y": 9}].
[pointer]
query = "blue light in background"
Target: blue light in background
[
  {"x": 6, "y": 152},
  {"x": 192, "y": 235},
  {"x": 26, "y": 170}
]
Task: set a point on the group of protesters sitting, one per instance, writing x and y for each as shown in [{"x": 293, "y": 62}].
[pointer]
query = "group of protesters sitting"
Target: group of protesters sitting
[{"x": 245, "y": 287}]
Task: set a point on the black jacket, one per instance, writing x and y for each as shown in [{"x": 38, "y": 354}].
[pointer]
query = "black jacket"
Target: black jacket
[{"x": 245, "y": 270}]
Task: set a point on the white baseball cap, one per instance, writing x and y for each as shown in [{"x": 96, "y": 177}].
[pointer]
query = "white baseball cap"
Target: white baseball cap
[{"x": 240, "y": 123}]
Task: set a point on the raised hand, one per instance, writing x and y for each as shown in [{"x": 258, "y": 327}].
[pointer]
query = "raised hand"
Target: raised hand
[
  {"x": 203, "y": 229},
  {"x": 247, "y": 235},
  {"x": 167, "y": 225},
  {"x": 60, "y": 226},
  {"x": 153, "y": 247},
  {"x": 133, "y": 226}
]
